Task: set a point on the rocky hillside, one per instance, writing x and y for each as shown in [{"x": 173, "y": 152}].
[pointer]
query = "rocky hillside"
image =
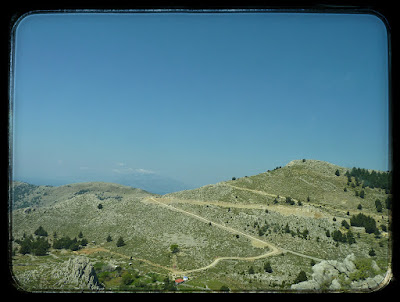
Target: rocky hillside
[
  {"x": 296, "y": 218},
  {"x": 308, "y": 181}
]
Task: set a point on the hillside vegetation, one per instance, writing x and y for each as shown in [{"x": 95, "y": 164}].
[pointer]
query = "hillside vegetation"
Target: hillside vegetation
[{"x": 253, "y": 233}]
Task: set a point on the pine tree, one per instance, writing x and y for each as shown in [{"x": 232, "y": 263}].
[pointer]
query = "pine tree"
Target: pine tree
[
  {"x": 301, "y": 277},
  {"x": 41, "y": 232},
  {"x": 109, "y": 239},
  {"x": 120, "y": 242},
  {"x": 345, "y": 224},
  {"x": 350, "y": 237},
  {"x": 378, "y": 205},
  {"x": 267, "y": 267}
]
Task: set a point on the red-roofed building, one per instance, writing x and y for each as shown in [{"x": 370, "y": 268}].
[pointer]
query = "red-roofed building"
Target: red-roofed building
[{"x": 179, "y": 281}]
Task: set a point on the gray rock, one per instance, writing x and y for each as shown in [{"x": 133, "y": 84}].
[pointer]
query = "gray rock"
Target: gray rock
[
  {"x": 77, "y": 273},
  {"x": 335, "y": 285},
  {"x": 375, "y": 266},
  {"x": 326, "y": 273},
  {"x": 348, "y": 264},
  {"x": 306, "y": 285},
  {"x": 369, "y": 283}
]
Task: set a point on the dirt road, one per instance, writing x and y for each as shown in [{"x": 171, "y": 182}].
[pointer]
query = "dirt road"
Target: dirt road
[
  {"x": 273, "y": 250},
  {"x": 166, "y": 202}
]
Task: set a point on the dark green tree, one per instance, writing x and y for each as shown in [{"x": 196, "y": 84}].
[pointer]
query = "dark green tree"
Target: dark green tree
[
  {"x": 338, "y": 236},
  {"x": 120, "y": 242},
  {"x": 345, "y": 224},
  {"x": 174, "y": 248},
  {"x": 350, "y": 237},
  {"x": 337, "y": 173},
  {"x": 378, "y": 205},
  {"x": 301, "y": 277},
  {"x": 109, "y": 239},
  {"x": 267, "y": 267},
  {"x": 169, "y": 285},
  {"x": 84, "y": 242},
  {"x": 26, "y": 245},
  {"x": 287, "y": 229},
  {"x": 224, "y": 288},
  {"x": 40, "y": 231},
  {"x": 367, "y": 222}
]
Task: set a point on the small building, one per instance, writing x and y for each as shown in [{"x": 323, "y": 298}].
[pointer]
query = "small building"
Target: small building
[
  {"x": 185, "y": 278},
  {"x": 179, "y": 281}
]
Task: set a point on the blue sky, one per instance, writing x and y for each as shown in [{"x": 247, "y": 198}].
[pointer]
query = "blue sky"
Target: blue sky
[{"x": 198, "y": 97}]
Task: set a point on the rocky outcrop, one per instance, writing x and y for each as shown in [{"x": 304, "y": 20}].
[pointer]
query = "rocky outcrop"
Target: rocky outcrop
[
  {"x": 77, "y": 273},
  {"x": 328, "y": 273}
]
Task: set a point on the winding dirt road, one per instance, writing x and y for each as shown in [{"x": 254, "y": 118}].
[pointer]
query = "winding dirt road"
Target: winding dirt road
[
  {"x": 273, "y": 250},
  {"x": 166, "y": 202}
]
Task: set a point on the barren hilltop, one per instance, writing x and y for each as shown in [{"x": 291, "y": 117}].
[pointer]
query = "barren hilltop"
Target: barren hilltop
[{"x": 309, "y": 225}]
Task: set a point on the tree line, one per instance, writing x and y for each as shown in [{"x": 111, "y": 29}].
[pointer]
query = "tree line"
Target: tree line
[
  {"x": 39, "y": 245},
  {"x": 369, "y": 223},
  {"x": 372, "y": 179}
]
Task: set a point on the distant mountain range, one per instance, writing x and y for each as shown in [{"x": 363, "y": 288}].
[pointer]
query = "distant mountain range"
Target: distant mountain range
[{"x": 151, "y": 182}]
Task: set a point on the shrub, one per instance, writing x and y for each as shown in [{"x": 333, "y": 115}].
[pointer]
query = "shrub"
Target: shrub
[
  {"x": 224, "y": 288},
  {"x": 127, "y": 278},
  {"x": 372, "y": 252},
  {"x": 290, "y": 201}
]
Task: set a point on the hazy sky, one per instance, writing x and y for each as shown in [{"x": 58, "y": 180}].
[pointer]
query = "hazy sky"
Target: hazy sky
[{"x": 199, "y": 97}]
